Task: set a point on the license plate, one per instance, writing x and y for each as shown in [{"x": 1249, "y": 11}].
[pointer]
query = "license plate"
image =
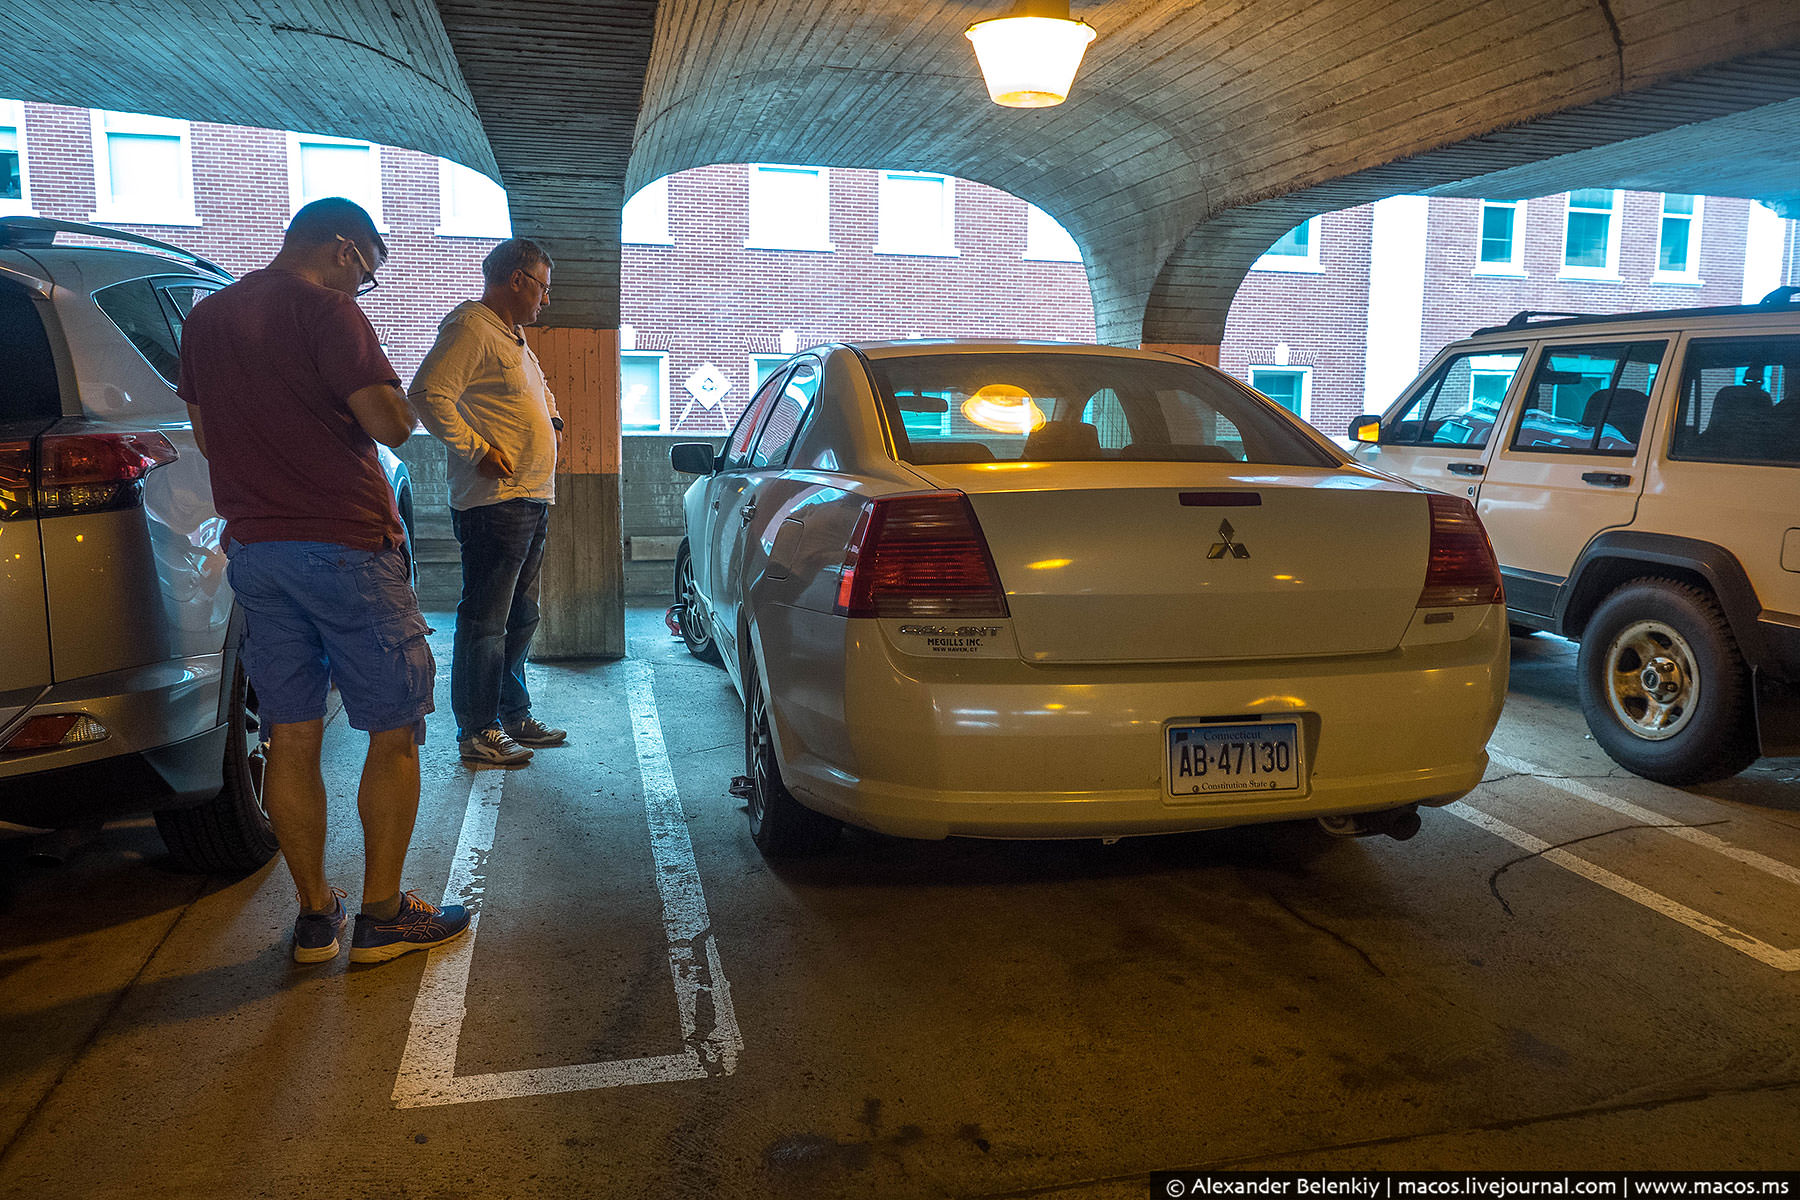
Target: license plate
[{"x": 1211, "y": 760}]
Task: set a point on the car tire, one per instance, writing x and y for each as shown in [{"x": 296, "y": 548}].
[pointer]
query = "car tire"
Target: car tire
[
  {"x": 1663, "y": 686},
  {"x": 229, "y": 834},
  {"x": 780, "y": 825},
  {"x": 694, "y": 633}
]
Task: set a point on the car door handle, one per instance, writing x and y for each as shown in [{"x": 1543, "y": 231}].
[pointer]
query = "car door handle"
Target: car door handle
[
  {"x": 1605, "y": 478},
  {"x": 1462, "y": 468},
  {"x": 748, "y": 511}
]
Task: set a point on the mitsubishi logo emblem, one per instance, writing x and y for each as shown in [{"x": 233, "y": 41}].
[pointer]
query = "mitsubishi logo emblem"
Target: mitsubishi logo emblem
[{"x": 1219, "y": 548}]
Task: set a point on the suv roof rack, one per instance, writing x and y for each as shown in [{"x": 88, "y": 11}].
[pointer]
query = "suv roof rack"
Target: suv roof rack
[
  {"x": 1781, "y": 297},
  {"x": 26, "y": 232}
]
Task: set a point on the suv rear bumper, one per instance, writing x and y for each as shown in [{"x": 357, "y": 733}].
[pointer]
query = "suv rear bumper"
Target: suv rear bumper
[{"x": 166, "y": 745}]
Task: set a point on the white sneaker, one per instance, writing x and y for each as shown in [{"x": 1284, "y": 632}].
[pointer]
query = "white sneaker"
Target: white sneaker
[{"x": 492, "y": 745}]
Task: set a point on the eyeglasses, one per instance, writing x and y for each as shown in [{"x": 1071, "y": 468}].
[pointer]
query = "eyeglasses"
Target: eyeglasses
[
  {"x": 369, "y": 282},
  {"x": 543, "y": 285}
]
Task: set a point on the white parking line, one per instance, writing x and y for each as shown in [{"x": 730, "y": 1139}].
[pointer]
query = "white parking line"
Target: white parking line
[
  {"x": 709, "y": 1028},
  {"x": 1699, "y": 837},
  {"x": 1781, "y": 960}
]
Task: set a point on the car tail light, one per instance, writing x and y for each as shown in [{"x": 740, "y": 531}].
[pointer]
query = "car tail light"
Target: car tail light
[
  {"x": 919, "y": 555},
  {"x": 55, "y": 729},
  {"x": 1463, "y": 569},
  {"x": 78, "y": 473}
]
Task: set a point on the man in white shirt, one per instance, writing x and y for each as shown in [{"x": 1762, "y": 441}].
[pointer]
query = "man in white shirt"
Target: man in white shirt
[{"x": 481, "y": 392}]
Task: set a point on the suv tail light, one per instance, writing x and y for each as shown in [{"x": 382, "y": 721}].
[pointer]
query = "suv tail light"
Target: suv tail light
[
  {"x": 1463, "y": 569},
  {"x": 78, "y": 473},
  {"x": 919, "y": 555}
]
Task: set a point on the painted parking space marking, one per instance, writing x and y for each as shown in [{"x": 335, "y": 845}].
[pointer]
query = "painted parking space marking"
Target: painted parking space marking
[
  {"x": 1637, "y": 893},
  {"x": 709, "y": 1031},
  {"x": 1656, "y": 820}
]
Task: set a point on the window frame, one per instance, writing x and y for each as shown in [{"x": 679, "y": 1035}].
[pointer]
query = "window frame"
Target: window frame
[
  {"x": 1514, "y": 266},
  {"x": 1615, "y": 221},
  {"x": 756, "y": 361},
  {"x": 662, "y": 374},
  {"x": 1305, "y": 375},
  {"x": 455, "y": 223},
  {"x": 755, "y": 239},
  {"x": 296, "y": 200},
  {"x": 1690, "y": 276},
  {"x": 657, "y": 191},
  {"x": 12, "y": 116},
  {"x": 107, "y": 207},
  {"x": 1307, "y": 264},
  {"x": 1628, "y": 354},
  {"x": 945, "y": 244}
]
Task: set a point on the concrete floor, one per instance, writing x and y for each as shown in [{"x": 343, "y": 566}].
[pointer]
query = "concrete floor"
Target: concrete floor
[{"x": 649, "y": 1010}]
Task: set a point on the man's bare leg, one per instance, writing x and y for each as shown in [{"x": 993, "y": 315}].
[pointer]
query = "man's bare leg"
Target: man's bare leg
[
  {"x": 388, "y": 802},
  {"x": 294, "y": 795}
]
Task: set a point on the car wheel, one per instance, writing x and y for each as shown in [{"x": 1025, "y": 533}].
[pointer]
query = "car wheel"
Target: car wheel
[
  {"x": 230, "y": 833},
  {"x": 780, "y": 825},
  {"x": 1663, "y": 686},
  {"x": 694, "y": 633}
]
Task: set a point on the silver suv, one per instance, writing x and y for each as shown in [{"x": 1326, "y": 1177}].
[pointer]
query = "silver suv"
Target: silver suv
[
  {"x": 120, "y": 687},
  {"x": 1640, "y": 478}
]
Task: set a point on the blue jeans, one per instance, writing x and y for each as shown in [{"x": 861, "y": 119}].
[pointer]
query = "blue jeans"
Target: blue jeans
[{"x": 502, "y": 550}]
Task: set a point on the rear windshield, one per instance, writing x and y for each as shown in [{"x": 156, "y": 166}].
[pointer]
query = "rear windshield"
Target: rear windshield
[
  {"x": 27, "y": 369},
  {"x": 975, "y": 408}
]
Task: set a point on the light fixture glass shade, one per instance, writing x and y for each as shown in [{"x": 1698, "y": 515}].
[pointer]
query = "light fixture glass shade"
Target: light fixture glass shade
[{"x": 1029, "y": 62}]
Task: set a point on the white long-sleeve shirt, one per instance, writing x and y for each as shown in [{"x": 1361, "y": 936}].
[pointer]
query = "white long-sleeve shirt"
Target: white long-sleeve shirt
[{"x": 480, "y": 386}]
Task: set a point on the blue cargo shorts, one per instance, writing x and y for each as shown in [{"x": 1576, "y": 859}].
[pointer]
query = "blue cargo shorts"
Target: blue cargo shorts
[{"x": 317, "y": 613}]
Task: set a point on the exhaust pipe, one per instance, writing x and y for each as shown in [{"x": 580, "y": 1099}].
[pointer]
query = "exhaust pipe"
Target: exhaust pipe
[{"x": 1397, "y": 823}]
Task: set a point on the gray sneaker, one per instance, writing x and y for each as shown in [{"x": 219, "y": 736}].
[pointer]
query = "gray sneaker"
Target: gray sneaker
[
  {"x": 533, "y": 732},
  {"x": 493, "y": 745}
]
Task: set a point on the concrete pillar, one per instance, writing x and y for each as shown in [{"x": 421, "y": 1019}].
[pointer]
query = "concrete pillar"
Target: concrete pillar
[
  {"x": 1194, "y": 350},
  {"x": 583, "y": 594}
]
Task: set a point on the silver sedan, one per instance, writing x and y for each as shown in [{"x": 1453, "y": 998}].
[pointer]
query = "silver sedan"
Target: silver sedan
[{"x": 1042, "y": 591}]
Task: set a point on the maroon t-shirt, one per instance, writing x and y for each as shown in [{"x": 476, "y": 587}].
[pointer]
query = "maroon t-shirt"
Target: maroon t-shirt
[{"x": 271, "y": 362}]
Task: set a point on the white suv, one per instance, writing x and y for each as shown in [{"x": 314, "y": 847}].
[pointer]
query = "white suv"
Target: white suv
[
  {"x": 120, "y": 687},
  {"x": 1640, "y": 478}
]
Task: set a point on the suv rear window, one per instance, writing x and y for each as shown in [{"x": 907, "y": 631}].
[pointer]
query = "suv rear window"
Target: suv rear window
[
  {"x": 1053, "y": 407},
  {"x": 1739, "y": 402},
  {"x": 137, "y": 312},
  {"x": 27, "y": 368}
]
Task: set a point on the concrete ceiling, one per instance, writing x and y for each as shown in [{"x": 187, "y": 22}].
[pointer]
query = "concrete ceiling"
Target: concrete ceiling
[{"x": 1196, "y": 135}]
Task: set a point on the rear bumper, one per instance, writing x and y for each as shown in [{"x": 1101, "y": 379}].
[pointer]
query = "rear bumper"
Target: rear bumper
[
  {"x": 997, "y": 748},
  {"x": 166, "y": 746}
]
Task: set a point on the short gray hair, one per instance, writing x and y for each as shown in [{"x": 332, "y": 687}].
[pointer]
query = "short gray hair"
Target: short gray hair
[{"x": 514, "y": 254}]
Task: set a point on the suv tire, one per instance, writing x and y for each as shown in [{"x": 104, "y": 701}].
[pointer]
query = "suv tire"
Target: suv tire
[
  {"x": 1663, "y": 686},
  {"x": 229, "y": 834}
]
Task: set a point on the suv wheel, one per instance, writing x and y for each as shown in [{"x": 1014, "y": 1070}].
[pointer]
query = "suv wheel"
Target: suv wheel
[
  {"x": 1663, "y": 686},
  {"x": 229, "y": 834}
]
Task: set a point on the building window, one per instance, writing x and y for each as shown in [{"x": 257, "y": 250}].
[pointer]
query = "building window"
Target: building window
[
  {"x": 1286, "y": 386},
  {"x": 1678, "y": 241},
  {"x": 15, "y": 185},
  {"x": 1501, "y": 246},
  {"x": 1295, "y": 250},
  {"x": 1591, "y": 239},
  {"x": 645, "y": 220},
  {"x": 143, "y": 170},
  {"x": 1046, "y": 239},
  {"x": 320, "y": 166},
  {"x": 917, "y": 214},
  {"x": 764, "y": 365},
  {"x": 470, "y": 204},
  {"x": 643, "y": 391},
  {"x": 789, "y": 208}
]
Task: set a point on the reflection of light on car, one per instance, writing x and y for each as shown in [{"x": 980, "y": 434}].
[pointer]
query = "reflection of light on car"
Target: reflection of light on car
[
  {"x": 1049, "y": 564},
  {"x": 1003, "y": 408}
]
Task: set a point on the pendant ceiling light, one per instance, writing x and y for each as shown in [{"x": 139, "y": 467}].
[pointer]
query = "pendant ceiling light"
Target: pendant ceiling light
[{"x": 1028, "y": 57}]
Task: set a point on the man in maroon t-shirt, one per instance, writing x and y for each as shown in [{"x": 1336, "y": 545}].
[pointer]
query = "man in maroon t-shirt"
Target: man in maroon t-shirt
[{"x": 289, "y": 391}]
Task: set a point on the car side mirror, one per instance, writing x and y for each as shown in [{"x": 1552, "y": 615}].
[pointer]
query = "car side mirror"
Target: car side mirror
[
  {"x": 692, "y": 458},
  {"x": 1366, "y": 428}
]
